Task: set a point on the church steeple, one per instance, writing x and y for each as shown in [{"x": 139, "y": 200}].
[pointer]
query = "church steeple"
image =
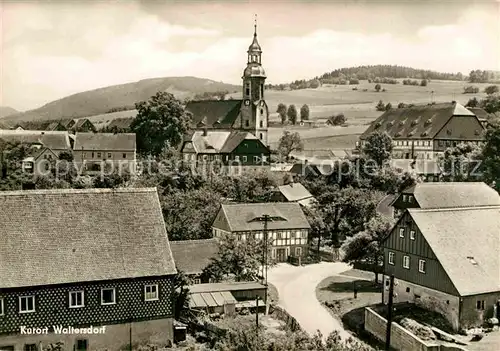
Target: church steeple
[
  {"x": 254, "y": 113},
  {"x": 254, "y": 50}
]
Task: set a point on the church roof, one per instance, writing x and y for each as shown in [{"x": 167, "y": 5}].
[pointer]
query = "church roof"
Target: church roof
[
  {"x": 254, "y": 47},
  {"x": 254, "y": 70},
  {"x": 214, "y": 113}
]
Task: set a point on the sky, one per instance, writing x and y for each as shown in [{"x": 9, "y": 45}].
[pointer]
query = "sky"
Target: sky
[{"x": 51, "y": 49}]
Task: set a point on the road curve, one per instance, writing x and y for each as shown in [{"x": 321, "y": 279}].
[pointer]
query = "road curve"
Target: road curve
[{"x": 297, "y": 294}]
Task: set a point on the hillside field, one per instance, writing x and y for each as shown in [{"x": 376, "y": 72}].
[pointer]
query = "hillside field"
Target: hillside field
[{"x": 357, "y": 105}]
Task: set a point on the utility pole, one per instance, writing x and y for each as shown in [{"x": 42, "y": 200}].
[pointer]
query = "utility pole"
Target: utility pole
[
  {"x": 389, "y": 314},
  {"x": 266, "y": 218},
  {"x": 257, "y": 313}
]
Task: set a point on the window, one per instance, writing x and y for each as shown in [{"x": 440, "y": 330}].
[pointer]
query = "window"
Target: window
[
  {"x": 410, "y": 198},
  {"x": 84, "y": 154},
  {"x": 2, "y": 312},
  {"x": 391, "y": 257},
  {"x": 405, "y": 198},
  {"x": 197, "y": 281},
  {"x": 26, "y": 304},
  {"x": 98, "y": 155},
  {"x": 124, "y": 155},
  {"x": 480, "y": 304},
  {"x": 108, "y": 296},
  {"x": 76, "y": 299},
  {"x": 247, "y": 89},
  {"x": 260, "y": 136},
  {"x": 261, "y": 123},
  {"x": 237, "y": 158},
  {"x": 92, "y": 154},
  {"x": 244, "y": 159},
  {"x": 407, "y": 289},
  {"x": 30, "y": 347},
  {"x": 151, "y": 292},
  {"x": 82, "y": 345},
  {"x": 247, "y": 123},
  {"x": 109, "y": 154},
  {"x": 421, "y": 266},
  {"x": 412, "y": 234},
  {"x": 401, "y": 232},
  {"x": 406, "y": 262}
]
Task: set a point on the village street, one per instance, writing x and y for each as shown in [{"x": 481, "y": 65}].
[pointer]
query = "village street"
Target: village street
[{"x": 297, "y": 294}]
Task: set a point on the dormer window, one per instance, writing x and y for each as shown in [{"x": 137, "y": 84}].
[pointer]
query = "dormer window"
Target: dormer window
[
  {"x": 472, "y": 260},
  {"x": 405, "y": 198}
]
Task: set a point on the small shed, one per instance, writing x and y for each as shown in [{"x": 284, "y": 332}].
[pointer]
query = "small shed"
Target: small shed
[{"x": 226, "y": 297}]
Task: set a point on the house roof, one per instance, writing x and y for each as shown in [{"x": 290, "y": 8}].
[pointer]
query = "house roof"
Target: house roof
[
  {"x": 209, "y": 112},
  {"x": 418, "y": 166},
  {"x": 416, "y": 122},
  {"x": 53, "y": 126},
  {"x": 466, "y": 243},
  {"x": 121, "y": 123},
  {"x": 233, "y": 286},
  {"x": 218, "y": 141},
  {"x": 68, "y": 236},
  {"x": 479, "y": 112},
  {"x": 240, "y": 216},
  {"x": 105, "y": 141},
  {"x": 192, "y": 256},
  {"x": 55, "y": 140},
  {"x": 294, "y": 192},
  {"x": 453, "y": 194}
]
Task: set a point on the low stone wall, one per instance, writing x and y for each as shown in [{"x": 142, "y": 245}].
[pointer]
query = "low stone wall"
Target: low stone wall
[
  {"x": 401, "y": 339},
  {"x": 281, "y": 314}
]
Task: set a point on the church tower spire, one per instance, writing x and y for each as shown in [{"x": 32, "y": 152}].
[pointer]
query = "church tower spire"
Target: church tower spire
[{"x": 254, "y": 77}]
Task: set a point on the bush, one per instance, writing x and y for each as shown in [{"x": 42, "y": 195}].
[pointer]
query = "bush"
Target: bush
[{"x": 471, "y": 89}]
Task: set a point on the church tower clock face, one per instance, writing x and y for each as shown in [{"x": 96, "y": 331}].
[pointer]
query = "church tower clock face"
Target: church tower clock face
[{"x": 247, "y": 102}]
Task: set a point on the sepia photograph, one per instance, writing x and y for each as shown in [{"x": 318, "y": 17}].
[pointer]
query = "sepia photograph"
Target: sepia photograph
[{"x": 249, "y": 175}]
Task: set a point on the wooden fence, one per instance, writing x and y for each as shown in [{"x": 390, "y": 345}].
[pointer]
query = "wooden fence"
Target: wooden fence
[{"x": 281, "y": 314}]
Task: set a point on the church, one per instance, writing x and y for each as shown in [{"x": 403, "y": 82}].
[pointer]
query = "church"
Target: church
[{"x": 232, "y": 131}]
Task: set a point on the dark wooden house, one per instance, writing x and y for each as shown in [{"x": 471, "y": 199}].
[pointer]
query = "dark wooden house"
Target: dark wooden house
[
  {"x": 232, "y": 151},
  {"x": 93, "y": 258},
  {"x": 446, "y": 260}
]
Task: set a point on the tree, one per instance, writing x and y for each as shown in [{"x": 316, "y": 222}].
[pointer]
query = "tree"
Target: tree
[
  {"x": 492, "y": 89},
  {"x": 337, "y": 120},
  {"x": 491, "y": 157},
  {"x": 367, "y": 245},
  {"x": 402, "y": 105},
  {"x": 377, "y": 87},
  {"x": 292, "y": 114},
  {"x": 281, "y": 110},
  {"x": 388, "y": 106},
  {"x": 461, "y": 163},
  {"x": 304, "y": 113},
  {"x": 378, "y": 147},
  {"x": 423, "y": 83},
  {"x": 491, "y": 104},
  {"x": 238, "y": 259},
  {"x": 472, "y": 102},
  {"x": 289, "y": 142},
  {"x": 345, "y": 211},
  {"x": 380, "y": 106},
  {"x": 160, "y": 121},
  {"x": 66, "y": 156}
]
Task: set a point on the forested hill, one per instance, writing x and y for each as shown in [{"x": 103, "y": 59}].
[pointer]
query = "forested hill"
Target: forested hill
[
  {"x": 353, "y": 74},
  {"x": 389, "y": 71}
]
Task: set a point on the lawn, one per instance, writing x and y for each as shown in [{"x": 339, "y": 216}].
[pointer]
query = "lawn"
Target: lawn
[{"x": 337, "y": 294}]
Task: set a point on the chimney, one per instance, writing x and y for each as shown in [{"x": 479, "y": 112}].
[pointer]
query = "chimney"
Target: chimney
[{"x": 205, "y": 131}]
